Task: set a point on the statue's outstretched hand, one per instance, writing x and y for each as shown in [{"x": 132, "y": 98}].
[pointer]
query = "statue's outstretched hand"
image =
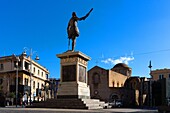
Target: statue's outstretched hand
[{"x": 83, "y": 18}]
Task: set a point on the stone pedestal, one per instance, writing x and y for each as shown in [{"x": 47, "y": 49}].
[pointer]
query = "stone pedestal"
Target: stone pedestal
[
  {"x": 73, "y": 91},
  {"x": 73, "y": 75}
]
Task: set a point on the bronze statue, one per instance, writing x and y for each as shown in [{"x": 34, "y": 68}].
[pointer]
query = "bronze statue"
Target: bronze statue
[{"x": 72, "y": 29}]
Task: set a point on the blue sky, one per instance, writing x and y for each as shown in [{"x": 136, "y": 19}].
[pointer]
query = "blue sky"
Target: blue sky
[{"x": 129, "y": 31}]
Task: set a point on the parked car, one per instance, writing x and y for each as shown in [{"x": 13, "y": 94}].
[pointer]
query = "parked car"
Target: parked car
[
  {"x": 106, "y": 106},
  {"x": 117, "y": 103}
]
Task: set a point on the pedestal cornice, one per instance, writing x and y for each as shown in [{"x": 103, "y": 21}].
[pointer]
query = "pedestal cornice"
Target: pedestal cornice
[{"x": 69, "y": 54}]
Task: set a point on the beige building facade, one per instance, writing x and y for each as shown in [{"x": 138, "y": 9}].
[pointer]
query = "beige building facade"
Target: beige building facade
[
  {"x": 102, "y": 82},
  {"x": 160, "y": 74},
  {"x": 117, "y": 84},
  {"x": 8, "y": 73}
]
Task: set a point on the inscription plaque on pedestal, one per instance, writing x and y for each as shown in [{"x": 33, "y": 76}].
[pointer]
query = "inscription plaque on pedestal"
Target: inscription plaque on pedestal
[{"x": 68, "y": 73}]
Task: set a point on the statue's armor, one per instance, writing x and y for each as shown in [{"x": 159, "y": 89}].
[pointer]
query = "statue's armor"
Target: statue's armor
[{"x": 73, "y": 30}]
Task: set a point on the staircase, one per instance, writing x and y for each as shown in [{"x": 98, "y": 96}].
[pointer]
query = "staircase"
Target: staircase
[{"x": 70, "y": 104}]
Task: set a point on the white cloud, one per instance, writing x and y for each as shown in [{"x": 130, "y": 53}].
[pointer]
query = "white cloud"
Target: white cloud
[{"x": 125, "y": 60}]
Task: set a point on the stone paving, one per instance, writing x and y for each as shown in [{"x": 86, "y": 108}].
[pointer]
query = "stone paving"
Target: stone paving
[{"x": 44, "y": 110}]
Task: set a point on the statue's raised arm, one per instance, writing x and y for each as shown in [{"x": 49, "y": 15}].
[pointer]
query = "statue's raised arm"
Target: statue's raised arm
[
  {"x": 83, "y": 18},
  {"x": 72, "y": 29}
]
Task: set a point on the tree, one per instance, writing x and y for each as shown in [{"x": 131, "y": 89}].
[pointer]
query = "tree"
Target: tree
[{"x": 11, "y": 95}]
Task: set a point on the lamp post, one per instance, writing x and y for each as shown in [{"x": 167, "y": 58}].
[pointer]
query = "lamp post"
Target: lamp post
[
  {"x": 150, "y": 84},
  {"x": 150, "y": 66},
  {"x": 16, "y": 95},
  {"x": 37, "y": 58}
]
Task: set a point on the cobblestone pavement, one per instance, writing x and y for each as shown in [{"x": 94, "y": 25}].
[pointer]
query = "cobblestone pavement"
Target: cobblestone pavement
[{"x": 44, "y": 110}]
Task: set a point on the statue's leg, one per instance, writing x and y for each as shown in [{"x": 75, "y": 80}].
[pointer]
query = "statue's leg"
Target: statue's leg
[
  {"x": 68, "y": 43},
  {"x": 73, "y": 43}
]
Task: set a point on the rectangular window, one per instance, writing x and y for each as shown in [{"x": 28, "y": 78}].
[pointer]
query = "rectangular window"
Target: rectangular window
[
  {"x": 38, "y": 72},
  {"x": 34, "y": 85},
  {"x": 34, "y": 69},
  {"x": 38, "y": 85},
  {"x": 46, "y": 76},
  {"x": 26, "y": 81},
  {"x": 42, "y": 74},
  {"x": 161, "y": 76},
  {"x": 15, "y": 64},
  {"x": 1, "y": 66},
  {"x": 26, "y": 65}
]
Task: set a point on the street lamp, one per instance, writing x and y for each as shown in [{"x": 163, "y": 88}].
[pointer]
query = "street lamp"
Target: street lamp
[
  {"x": 16, "y": 95},
  {"x": 37, "y": 58},
  {"x": 150, "y": 83},
  {"x": 150, "y": 66}
]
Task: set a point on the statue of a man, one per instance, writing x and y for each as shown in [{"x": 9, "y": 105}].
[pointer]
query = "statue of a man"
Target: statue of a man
[{"x": 72, "y": 29}]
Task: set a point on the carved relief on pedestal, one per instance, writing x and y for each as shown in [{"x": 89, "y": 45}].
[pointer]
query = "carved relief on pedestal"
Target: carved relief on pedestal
[
  {"x": 69, "y": 60},
  {"x": 73, "y": 59},
  {"x": 82, "y": 61}
]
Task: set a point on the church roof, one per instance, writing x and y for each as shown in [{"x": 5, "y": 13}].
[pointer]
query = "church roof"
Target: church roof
[
  {"x": 97, "y": 67},
  {"x": 121, "y": 65}
]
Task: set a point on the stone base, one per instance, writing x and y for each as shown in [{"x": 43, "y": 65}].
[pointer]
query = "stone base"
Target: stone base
[
  {"x": 70, "y": 104},
  {"x": 73, "y": 90},
  {"x": 73, "y": 97}
]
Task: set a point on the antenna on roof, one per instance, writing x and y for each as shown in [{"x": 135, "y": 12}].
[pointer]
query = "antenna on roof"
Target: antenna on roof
[{"x": 96, "y": 62}]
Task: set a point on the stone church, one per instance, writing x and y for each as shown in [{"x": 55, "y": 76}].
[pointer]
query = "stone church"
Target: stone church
[{"x": 116, "y": 84}]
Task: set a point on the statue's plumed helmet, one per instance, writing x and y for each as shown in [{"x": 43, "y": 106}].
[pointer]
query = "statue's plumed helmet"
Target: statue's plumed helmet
[{"x": 74, "y": 14}]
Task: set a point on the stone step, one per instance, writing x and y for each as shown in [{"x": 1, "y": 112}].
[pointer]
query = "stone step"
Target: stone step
[
  {"x": 91, "y": 107},
  {"x": 94, "y": 103},
  {"x": 70, "y": 104},
  {"x": 102, "y": 104},
  {"x": 87, "y": 101}
]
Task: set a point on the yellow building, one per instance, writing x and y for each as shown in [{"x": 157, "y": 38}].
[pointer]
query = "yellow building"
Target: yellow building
[
  {"x": 8, "y": 74},
  {"x": 160, "y": 74}
]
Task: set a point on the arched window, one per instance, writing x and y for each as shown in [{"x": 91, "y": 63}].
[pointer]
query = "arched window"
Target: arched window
[
  {"x": 113, "y": 83},
  {"x": 117, "y": 84},
  {"x": 96, "y": 78}
]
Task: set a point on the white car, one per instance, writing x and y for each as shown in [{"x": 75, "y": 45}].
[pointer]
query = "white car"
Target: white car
[{"x": 117, "y": 103}]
